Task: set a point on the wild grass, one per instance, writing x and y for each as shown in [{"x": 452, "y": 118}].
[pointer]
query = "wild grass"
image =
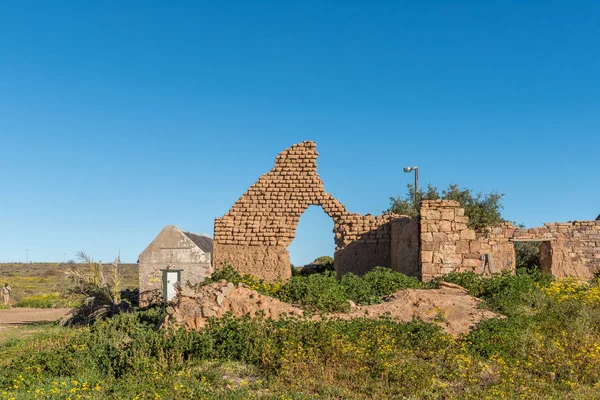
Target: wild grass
[
  {"x": 40, "y": 279},
  {"x": 54, "y": 300},
  {"x": 547, "y": 346}
]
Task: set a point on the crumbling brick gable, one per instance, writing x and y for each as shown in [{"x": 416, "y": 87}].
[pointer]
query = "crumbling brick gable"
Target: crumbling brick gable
[{"x": 253, "y": 236}]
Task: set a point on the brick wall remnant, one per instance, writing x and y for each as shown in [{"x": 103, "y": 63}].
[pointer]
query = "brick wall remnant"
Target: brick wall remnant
[{"x": 254, "y": 235}]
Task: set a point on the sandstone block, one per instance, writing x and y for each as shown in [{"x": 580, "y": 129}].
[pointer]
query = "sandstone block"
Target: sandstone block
[
  {"x": 467, "y": 234},
  {"x": 445, "y": 226},
  {"x": 426, "y": 256},
  {"x": 426, "y": 236},
  {"x": 471, "y": 262},
  {"x": 439, "y": 237},
  {"x": 447, "y": 215},
  {"x": 462, "y": 246},
  {"x": 431, "y": 214}
]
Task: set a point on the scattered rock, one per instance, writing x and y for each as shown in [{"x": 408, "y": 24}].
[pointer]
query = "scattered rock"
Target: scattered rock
[
  {"x": 226, "y": 290},
  {"x": 449, "y": 285},
  {"x": 460, "y": 311}
]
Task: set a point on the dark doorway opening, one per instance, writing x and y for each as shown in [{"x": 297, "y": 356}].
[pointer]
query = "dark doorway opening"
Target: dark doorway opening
[{"x": 533, "y": 255}]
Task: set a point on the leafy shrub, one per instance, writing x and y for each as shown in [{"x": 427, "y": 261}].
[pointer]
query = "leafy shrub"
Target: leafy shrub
[
  {"x": 384, "y": 281},
  {"x": 359, "y": 291},
  {"x": 229, "y": 274},
  {"x": 316, "y": 292},
  {"x": 323, "y": 292},
  {"x": 506, "y": 293},
  {"x": 482, "y": 210}
]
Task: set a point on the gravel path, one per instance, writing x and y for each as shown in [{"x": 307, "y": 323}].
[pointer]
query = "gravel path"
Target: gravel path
[{"x": 25, "y": 316}]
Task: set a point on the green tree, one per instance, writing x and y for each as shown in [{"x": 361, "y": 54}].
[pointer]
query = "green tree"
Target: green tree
[{"x": 482, "y": 210}]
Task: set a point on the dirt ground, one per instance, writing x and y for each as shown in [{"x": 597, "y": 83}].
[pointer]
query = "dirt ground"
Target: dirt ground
[
  {"x": 450, "y": 307},
  {"x": 15, "y": 317}
]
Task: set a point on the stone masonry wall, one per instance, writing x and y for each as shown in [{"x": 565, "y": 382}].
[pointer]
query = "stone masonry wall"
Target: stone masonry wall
[
  {"x": 448, "y": 245},
  {"x": 406, "y": 246},
  {"x": 254, "y": 235},
  {"x": 568, "y": 249}
]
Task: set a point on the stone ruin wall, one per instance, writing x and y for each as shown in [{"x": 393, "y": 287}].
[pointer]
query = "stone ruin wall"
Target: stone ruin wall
[
  {"x": 405, "y": 246},
  {"x": 567, "y": 249},
  {"x": 254, "y": 235},
  {"x": 449, "y": 245}
]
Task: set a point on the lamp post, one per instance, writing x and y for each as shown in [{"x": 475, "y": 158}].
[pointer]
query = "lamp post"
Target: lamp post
[{"x": 416, "y": 169}]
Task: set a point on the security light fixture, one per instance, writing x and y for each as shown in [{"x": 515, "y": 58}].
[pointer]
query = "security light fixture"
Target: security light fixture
[{"x": 416, "y": 169}]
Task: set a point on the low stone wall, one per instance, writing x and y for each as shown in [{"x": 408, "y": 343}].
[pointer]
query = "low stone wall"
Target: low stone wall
[
  {"x": 447, "y": 244},
  {"x": 568, "y": 249}
]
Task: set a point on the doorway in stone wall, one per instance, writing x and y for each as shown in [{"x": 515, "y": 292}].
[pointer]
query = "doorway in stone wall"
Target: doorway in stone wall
[
  {"x": 533, "y": 255},
  {"x": 314, "y": 240}
]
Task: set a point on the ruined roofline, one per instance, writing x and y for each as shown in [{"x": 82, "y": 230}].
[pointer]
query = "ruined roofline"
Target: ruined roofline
[{"x": 294, "y": 158}]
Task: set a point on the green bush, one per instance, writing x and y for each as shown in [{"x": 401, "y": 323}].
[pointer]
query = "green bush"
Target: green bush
[
  {"x": 359, "y": 291},
  {"x": 322, "y": 291},
  {"x": 527, "y": 255},
  {"x": 482, "y": 210},
  {"x": 506, "y": 293},
  {"x": 316, "y": 292},
  {"x": 384, "y": 281}
]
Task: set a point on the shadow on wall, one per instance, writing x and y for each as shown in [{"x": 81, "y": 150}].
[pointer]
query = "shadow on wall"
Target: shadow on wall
[{"x": 392, "y": 245}]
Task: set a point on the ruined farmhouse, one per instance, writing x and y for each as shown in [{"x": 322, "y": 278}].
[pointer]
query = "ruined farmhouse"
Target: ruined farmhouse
[{"x": 254, "y": 235}]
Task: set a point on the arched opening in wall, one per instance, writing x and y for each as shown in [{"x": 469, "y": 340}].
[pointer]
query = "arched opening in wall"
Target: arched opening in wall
[
  {"x": 533, "y": 255},
  {"x": 314, "y": 238}
]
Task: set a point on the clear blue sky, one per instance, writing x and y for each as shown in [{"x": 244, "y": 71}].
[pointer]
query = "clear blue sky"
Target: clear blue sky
[{"x": 118, "y": 118}]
